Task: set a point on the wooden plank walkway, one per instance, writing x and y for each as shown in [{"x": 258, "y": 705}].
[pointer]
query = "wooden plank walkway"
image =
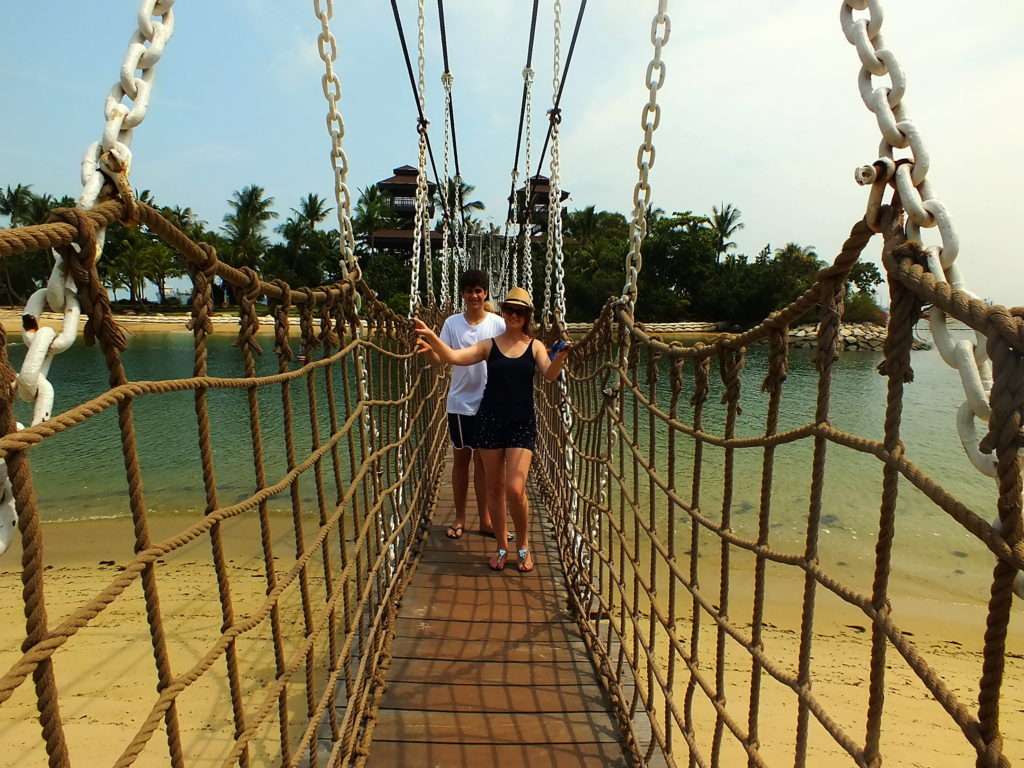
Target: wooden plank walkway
[{"x": 489, "y": 668}]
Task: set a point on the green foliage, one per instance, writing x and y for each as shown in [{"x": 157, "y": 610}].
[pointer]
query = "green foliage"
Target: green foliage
[
  {"x": 865, "y": 276},
  {"x": 861, "y": 308},
  {"x": 689, "y": 267}
]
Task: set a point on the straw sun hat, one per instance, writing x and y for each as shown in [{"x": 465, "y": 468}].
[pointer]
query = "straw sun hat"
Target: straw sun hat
[{"x": 517, "y": 297}]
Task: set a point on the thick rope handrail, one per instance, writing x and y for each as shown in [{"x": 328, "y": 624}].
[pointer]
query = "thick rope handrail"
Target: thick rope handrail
[
  {"x": 81, "y": 617},
  {"x": 603, "y": 529}
]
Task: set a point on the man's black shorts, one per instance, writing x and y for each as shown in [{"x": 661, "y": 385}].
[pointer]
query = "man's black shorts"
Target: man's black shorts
[{"x": 462, "y": 430}]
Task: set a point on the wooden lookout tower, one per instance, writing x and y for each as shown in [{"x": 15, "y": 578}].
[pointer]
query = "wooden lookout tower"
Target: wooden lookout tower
[
  {"x": 400, "y": 191},
  {"x": 537, "y": 203}
]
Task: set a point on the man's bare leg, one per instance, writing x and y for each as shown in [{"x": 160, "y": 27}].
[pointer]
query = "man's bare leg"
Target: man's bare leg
[
  {"x": 461, "y": 458},
  {"x": 480, "y": 488}
]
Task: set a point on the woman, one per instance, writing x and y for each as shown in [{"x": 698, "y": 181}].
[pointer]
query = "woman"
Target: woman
[{"x": 506, "y": 422}]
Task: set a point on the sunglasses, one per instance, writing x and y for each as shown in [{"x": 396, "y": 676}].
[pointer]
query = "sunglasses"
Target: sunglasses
[{"x": 517, "y": 311}]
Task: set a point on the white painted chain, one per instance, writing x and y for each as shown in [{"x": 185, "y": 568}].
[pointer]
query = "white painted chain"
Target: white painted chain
[
  {"x": 512, "y": 233},
  {"x": 650, "y": 118},
  {"x": 553, "y": 118},
  {"x": 428, "y": 260},
  {"x": 446, "y": 82},
  {"x": 331, "y": 84},
  {"x": 555, "y": 188},
  {"x": 112, "y": 154},
  {"x": 8, "y": 510},
  {"x": 419, "y": 220},
  {"x": 526, "y": 226},
  {"x": 924, "y": 209}
]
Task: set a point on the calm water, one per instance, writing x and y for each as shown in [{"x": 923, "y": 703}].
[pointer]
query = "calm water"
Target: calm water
[{"x": 79, "y": 474}]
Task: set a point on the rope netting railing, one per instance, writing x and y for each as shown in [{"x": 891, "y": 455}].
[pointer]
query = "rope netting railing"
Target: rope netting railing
[
  {"x": 644, "y": 520},
  {"x": 372, "y": 446}
]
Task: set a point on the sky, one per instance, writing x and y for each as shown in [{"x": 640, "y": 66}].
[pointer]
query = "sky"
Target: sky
[{"x": 760, "y": 107}]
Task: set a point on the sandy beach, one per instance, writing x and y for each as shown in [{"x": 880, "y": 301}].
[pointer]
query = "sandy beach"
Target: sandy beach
[
  {"x": 107, "y": 680},
  {"x": 223, "y": 323}
]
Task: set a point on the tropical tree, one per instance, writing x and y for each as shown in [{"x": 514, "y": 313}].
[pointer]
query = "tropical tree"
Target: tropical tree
[
  {"x": 725, "y": 221},
  {"x": 243, "y": 227},
  {"x": 22, "y": 272},
  {"x": 457, "y": 189},
  {"x": 15, "y": 203},
  {"x": 373, "y": 213}
]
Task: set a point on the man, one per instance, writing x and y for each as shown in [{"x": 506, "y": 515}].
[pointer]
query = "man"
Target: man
[{"x": 473, "y": 324}]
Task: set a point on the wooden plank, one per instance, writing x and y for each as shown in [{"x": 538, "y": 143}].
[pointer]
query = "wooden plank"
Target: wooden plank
[
  {"x": 487, "y": 650},
  {"x": 387, "y": 754},
  {"x": 485, "y": 612},
  {"x": 554, "y": 632},
  {"x": 494, "y": 728},
  {"x": 469, "y": 672},
  {"x": 503, "y": 596},
  {"x": 450, "y": 555},
  {"x": 489, "y": 667},
  {"x": 441, "y": 578},
  {"x": 440, "y": 697},
  {"x": 477, "y": 566}
]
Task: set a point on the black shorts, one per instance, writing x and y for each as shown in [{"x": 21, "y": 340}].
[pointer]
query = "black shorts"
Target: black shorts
[
  {"x": 494, "y": 432},
  {"x": 462, "y": 430}
]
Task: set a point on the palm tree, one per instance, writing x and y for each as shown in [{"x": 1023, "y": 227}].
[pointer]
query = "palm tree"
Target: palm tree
[
  {"x": 312, "y": 211},
  {"x": 457, "y": 189},
  {"x": 20, "y": 206},
  {"x": 373, "y": 212},
  {"x": 583, "y": 224},
  {"x": 15, "y": 203},
  {"x": 725, "y": 221},
  {"x": 243, "y": 226}
]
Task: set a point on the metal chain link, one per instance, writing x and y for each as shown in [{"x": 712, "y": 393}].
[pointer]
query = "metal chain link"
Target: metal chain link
[
  {"x": 650, "y": 118},
  {"x": 421, "y": 176},
  {"x": 111, "y": 157},
  {"x": 555, "y": 191},
  {"x": 527, "y": 223},
  {"x": 446, "y": 83},
  {"x": 554, "y": 216},
  {"x": 327, "y": 47},
  {"x": 924, "y": 209}
]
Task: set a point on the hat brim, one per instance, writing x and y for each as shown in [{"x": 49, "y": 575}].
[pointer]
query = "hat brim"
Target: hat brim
[{"x": 516, "y": 305}]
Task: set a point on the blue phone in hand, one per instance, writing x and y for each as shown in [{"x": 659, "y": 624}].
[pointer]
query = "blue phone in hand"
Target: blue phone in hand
[{"x": 557, "y": 347}]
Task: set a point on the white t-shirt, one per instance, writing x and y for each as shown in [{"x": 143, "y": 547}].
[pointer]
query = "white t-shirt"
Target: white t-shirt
[{"x": 468, "y": 381}]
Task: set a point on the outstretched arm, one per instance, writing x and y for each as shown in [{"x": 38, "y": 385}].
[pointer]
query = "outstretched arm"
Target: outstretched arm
[
  {"x": 550, "y": 367},
  {"x": 429, "y": 344}
]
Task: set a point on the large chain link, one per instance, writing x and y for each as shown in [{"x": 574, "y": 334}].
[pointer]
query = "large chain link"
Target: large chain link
[
  {"x": 111, "y": 157},
  {"x": 554, "y": 302},
  {"x": 419, "y": 219},
  {"x": 527, "y": 224},
  {"x": 446, "y": 83},
  {"x": 331, "y": 84},
  {"x": 650, "y": 118},
  {"x": 924, "y": 210}
]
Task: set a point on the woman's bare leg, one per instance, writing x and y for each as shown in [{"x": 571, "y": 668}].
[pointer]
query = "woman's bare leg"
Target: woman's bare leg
[
  {"x": 517, "y": 469},
  {"x": 493, "y": 459}
]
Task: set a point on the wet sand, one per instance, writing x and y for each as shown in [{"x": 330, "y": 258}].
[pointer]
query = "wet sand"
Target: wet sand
[{"x": 107, "y": 677}]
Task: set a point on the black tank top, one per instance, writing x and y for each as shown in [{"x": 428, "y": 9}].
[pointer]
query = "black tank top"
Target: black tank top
[{"x": 508, "y": 395}]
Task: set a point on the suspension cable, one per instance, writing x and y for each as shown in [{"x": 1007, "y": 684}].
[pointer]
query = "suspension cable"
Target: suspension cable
[
  {"x": 522, "y": 109},
  {"x": 561, "y": 86},
  {"x": 448, "y": 72},
  {"x": 415, "y": 89}
]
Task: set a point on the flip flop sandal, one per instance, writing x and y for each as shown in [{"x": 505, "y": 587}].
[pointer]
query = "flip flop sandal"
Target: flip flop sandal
[
  {"x": 497, "y": 562},
  {"x": 521, "y": 567},
  {"x": 455, "y": 531}
]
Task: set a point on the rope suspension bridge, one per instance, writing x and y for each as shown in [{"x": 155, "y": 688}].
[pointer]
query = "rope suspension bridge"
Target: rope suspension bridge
[{"x": 622, "y": 478}]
